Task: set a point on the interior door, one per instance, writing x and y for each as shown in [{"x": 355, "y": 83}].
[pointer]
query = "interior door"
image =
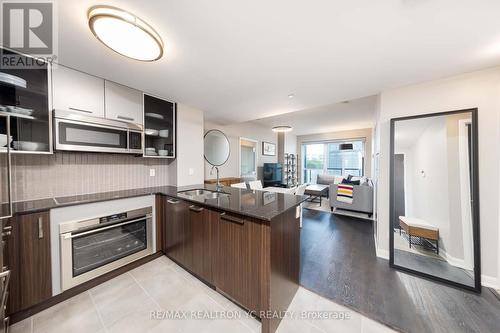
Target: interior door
[{"x": 399, "y": 187}]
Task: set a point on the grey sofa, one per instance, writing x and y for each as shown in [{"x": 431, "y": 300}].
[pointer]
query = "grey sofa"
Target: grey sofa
[
  {"x": 362, "y": 199},
  {"x": 362, "y": 195}
]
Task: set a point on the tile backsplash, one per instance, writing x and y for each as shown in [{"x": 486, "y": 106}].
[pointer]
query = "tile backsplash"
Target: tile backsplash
[{"x": 68, "y": 173}]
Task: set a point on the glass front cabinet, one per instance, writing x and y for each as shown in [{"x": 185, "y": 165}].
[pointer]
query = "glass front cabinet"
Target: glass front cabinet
[
  {"x": 159, "y": 127},
  {"x": 25, "y": 99}
]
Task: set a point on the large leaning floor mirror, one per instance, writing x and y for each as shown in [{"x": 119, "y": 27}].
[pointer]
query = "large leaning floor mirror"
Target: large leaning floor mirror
[{"x": 434, "y": 229}]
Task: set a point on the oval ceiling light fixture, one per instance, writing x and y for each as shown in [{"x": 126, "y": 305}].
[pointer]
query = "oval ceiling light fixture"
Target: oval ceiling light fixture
[
  {"x": 125, "y": 33},
  {"x": 282, "y": 128}
]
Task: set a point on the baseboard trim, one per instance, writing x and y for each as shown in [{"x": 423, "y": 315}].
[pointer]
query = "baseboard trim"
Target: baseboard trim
[
  {"x": 490, "y": 282},
  {"x": 381, "y": 253},
  {"x": 460, "y": 263},
  {"x": 384, "y": 254}
]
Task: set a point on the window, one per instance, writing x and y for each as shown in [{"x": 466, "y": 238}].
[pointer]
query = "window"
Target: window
[
  {"x": 314, "y": 161},
  {"x": 329, "y": 158}
]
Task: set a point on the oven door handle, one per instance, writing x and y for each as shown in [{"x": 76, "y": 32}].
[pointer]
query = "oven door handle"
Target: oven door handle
[{"x": 70, "y": 235}]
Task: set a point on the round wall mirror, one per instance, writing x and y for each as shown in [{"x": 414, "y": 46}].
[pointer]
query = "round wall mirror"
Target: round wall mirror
[{"x": 216, "y": 147}]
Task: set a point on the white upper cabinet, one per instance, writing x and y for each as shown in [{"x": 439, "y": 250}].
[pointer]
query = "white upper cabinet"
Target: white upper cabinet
[
  {"x": 123, "y": 103},
  {"x": 77, "y": 91}
]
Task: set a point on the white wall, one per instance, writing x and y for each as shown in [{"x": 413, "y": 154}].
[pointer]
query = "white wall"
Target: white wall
[
  {"x": 428, "y": 196},
  {"x": 249, "y": 130},
  {"x": 479, "y": 89},
  {"x": 190, "y": 168}
]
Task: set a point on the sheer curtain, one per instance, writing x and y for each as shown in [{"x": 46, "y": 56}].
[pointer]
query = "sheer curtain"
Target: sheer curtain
[{"x": 334, "y": 158}]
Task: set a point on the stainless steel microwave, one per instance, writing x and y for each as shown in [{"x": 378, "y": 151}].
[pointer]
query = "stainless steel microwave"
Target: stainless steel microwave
[{"x": 76, "y": 132}]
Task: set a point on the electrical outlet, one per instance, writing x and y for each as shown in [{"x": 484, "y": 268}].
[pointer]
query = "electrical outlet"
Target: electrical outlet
[
  {"x": 191, "y": 171},
  {"x": 152, "y": 172}
]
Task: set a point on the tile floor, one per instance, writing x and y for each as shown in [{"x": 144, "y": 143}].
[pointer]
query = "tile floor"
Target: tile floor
[{"x": 125, "y": 304}]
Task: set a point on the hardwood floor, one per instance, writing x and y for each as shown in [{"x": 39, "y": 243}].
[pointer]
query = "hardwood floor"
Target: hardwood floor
[
  {"x": 338, "y": 261},
  {"x": 433, "y": 266}
]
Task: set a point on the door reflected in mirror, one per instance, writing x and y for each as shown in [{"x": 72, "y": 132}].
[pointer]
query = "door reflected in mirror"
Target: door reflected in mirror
[{"x": 433, "y": 205}]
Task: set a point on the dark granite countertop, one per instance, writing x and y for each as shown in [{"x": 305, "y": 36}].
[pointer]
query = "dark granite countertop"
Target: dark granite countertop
[{"x": 258, "y": 204}]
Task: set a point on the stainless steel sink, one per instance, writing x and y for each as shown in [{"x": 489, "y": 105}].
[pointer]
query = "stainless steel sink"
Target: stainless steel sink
[
  {"x": 215, "y": 195},
  {"x": 207, "y": 194},
  {"x": 194, "y": 193}
]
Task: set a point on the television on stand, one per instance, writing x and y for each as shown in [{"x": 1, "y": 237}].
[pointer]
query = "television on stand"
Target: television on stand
[{"x": 273, "y": 174}]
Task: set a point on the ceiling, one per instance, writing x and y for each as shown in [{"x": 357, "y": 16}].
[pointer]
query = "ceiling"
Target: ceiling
[
  {"x": 355, "y": 114},
  {"x": 239, "y": 60}
]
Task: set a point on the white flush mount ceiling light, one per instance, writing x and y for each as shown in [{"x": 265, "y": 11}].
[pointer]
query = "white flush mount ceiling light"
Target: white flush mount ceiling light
[
  {"x": 125, "y": 33},
  {"x": 291, "y": 96},
  {"x": 282, "y": 128}
]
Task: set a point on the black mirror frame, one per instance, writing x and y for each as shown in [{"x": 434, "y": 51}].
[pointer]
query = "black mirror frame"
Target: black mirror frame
[
  {"x": 475, "y": 204},
  {"x": 229, "y": 143}
]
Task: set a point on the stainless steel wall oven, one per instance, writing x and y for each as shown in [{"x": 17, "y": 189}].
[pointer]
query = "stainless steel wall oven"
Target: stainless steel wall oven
[{"x": 93, "y": 247}]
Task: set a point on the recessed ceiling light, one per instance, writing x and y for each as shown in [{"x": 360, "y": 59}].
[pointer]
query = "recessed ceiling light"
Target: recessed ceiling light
[
  {"x": 125, "y": 33},
  {"x": 291, "y": 96},
  {"x": 282, "y": 128}
]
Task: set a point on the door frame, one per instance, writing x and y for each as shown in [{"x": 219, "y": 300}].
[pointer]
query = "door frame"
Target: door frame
[
  {"x": 239, "y": 154},
  {"x": 465, "y": 195},
  {"x": 405, "y": 177}
]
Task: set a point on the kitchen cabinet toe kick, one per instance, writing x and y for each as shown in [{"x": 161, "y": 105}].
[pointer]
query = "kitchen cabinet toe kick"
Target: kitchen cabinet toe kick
[{"x": 254, "y": 263}]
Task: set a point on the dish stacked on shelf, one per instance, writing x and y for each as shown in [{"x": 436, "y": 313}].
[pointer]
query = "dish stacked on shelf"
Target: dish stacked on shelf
[
  {"x": 151, "y": 151},
  {"x": 30, "y": 146},
  {"x": 15, "y": 110},
  {"x": 153, "y": 132}
]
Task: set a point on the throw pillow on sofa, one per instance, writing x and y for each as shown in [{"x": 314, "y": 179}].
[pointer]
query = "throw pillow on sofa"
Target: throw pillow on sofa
[{"x": 351, "y": 182}]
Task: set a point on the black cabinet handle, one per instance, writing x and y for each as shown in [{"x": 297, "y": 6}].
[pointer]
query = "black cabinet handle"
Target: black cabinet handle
[
  {"x": 80, "y": 110},
  {"x": 232, "y": 219},
  {"x": 125, "y": 118},
  {"x": 196, "y": 209}
]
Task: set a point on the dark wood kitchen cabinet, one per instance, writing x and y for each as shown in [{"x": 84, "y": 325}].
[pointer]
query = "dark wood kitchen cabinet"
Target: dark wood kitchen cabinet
[
  {"x": 237, "y": 258},
  {"x": 221, "y": 248},
  {"x": 187, "y": 237},
  {"x": 175, "y": 220},
  {"x": 254, "y": 262},
  {"x": 200, "y": 242},
  {"x": 28, "y": 258}
]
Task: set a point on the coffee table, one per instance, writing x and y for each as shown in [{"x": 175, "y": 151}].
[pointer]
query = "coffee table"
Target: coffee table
[{"x": 317, "y": 191}]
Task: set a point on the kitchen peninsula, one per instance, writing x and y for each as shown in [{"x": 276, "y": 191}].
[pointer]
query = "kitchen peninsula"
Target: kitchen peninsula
[{"x": 243, "y": 243}]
